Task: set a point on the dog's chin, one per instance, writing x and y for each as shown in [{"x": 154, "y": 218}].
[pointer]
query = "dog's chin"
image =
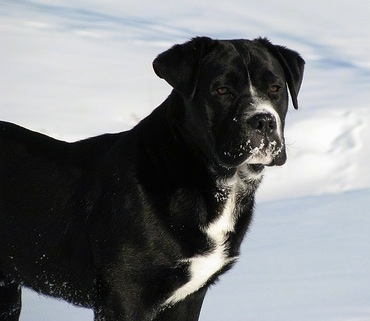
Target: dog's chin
[
  {"x": 268, "y": 160},
  {"x": 235, "y": 162},
  {"x": 255, "y": 163},
  {"x": 256, "y": 168},
  {"x": 255, "y": 153}
]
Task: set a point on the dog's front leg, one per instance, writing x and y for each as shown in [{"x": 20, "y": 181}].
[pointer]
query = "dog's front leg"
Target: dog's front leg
[
  {"x": 10, "y": 299},
  {"x": 116, "y": 312},
  {"x": 121, "y": 303},
  {"x": 186, "y": 310}
]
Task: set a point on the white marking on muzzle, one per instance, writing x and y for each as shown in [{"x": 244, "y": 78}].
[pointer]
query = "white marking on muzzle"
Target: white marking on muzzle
[
  {"x": 264, "y": 155},
  {"x": 261, "y": 106}
]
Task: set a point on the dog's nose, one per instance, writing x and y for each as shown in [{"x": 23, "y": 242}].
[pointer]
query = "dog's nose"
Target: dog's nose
[{"x": 264, "y": 123}]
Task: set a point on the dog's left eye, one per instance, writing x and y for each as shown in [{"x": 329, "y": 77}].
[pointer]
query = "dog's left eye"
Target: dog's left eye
[
  {"x": 223, "y": 91},
  {"x": 274, "y": 88}
]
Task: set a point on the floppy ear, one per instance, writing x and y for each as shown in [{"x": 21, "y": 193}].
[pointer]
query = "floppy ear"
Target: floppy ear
[
  {"x": 293, "y": 66},
  {"x": 180, "y": 65}
]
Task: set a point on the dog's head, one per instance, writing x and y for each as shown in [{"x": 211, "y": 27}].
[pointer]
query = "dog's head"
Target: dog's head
[{"x": 236, "y": 97}]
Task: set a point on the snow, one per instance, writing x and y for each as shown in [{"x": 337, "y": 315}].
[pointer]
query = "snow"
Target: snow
[
  {"x": 77, "y": 68},
  {"x": 304, "y": 259}
]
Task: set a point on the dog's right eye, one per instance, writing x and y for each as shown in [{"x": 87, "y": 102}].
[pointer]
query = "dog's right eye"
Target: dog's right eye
[
  {"x": 274, "y": 88},
  {"x": 223, "y": 91}
]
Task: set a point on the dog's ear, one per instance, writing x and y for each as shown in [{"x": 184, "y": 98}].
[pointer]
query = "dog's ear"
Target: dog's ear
[
  {"x": 293, "y": 66},
  {"x": 180, "y": 65}
]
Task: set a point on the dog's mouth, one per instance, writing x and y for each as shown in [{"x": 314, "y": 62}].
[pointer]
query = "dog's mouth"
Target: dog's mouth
[
  {"x": 256, "y": 154},
  {"x": 269, "y": 153},
  {"x": 256, "y": 168}
]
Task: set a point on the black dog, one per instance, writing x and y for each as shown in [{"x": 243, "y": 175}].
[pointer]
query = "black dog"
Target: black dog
[{"x": 137, "y": 225}]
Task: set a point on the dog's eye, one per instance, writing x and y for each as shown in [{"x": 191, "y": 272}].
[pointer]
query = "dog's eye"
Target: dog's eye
[
  {"x": 223, "y": 91},
  {"x": 274, "y": 88}
]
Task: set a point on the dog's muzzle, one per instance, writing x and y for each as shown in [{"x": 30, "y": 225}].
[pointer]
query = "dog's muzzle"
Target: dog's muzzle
[
  {"x": 266, "y": 145},
  {"x": 259, "y": 142}
]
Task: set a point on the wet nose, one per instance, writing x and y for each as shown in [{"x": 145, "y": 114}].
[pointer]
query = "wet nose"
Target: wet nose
[{"x": 263, "y": 123}]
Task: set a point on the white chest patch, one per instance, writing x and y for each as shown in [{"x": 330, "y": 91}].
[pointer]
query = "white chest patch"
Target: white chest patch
[{"x": 203, "y": 267}]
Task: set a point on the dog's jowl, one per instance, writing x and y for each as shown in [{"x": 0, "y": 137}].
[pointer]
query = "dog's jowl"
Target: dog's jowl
[{"x": 137, "y": 225}]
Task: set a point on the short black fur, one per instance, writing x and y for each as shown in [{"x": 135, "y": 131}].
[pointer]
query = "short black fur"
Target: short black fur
[{"x": 114, "y": 222}]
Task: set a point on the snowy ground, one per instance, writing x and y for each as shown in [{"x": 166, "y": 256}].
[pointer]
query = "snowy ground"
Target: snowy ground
[{"x": 76, "y": 68}]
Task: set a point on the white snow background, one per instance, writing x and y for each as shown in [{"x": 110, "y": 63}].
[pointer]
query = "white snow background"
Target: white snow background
[{"x": 77, "y": 68}]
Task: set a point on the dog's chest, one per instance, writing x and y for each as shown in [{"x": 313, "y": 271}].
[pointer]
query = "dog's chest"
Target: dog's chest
[{"x": 203, "y": 267}]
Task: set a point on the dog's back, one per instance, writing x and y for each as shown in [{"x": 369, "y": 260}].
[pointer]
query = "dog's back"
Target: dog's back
[{"x": 30, "y": 144}]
